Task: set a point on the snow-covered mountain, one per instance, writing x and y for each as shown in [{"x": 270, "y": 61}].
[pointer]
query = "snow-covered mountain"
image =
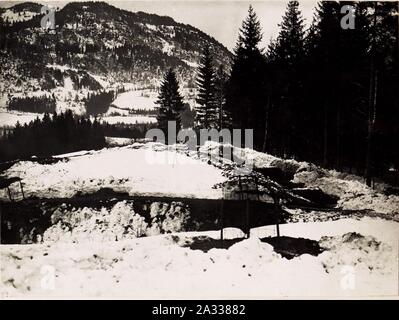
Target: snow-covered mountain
[{"x": 95, "y": 46}]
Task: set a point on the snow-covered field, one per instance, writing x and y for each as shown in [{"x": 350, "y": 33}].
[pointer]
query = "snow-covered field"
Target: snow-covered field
[
  {"x": 12, "y": 16},
  {"x": 136, "y": 99},
  {"x": 359, "y": 258},
  {"x": 153, "y": 169},
  {"x": 137, "y": 169},
  {"x": 10, "y": 118},
  {"x": 131, "y": 119},
  {"x": 165, "y": 267}
]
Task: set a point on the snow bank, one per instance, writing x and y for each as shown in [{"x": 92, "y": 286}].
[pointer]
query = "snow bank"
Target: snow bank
[
  {"x": 83, "y": 225},
  {"x": 136, "y": 169},
  {"x": 164, "y": 266},
  {"x": 117, "y": 223},
  {"x": 353, "y": 194}
]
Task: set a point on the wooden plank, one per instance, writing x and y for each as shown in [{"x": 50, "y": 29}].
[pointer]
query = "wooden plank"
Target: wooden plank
[
  {"x": 247, "y": 222},
  {"x": 221, "y": 220},
  {"x": 9, "y": 193},
  {"x": 22, "y": 189}
]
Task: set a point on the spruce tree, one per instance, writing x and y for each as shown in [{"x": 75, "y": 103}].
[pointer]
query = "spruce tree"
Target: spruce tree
[
  {"x": 289, "y": 54},
  {"x": 170, "y": 102},
  {"x": 206, "y": 115},
  {"x": 250, "y": 33},
  {"x": 290, "y": 42},
  {"x": 245, "y": 96}
]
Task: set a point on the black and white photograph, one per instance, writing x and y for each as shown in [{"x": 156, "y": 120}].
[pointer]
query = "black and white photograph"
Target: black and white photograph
[{"x": 203, "y": 149}]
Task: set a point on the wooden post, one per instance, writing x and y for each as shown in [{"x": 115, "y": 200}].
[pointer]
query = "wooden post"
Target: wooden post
[
  {"x": 247, "y": 217},
  {"x": 221, "y": 221},
  {"x": 9, "y": 193},
  {"x": 278, "y": 230},
  {"x": 278, "y": 217},
  {"x": 257, "y": 188},
  {"x": 240, "y": 186},
  {"x": 22, "y": 189}
]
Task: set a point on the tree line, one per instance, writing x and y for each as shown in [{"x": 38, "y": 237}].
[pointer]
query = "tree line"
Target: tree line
[
  {"x": 37, "y": 104},
  {"x": 324, "y": 94},
  {"x": 63, "y": 133},
  {"x": 53, "y": 134}
]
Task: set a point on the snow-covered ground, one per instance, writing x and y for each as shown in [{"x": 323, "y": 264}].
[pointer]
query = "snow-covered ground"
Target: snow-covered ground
[
  {"x": 191, "y": 64},
  {"x": 130, "y": 119},
  {"x": 10, "y": 118},
  {"x": 137, "y": 169},
  {"x": 136, "y": 99},
  {"x": 165, "y": 267},
  {"x": 144, "y": 99},
  {"x": 351, "y": 190},
  {"x": 116, "y": 141},
  {"x": 360, "y": 255},
  {"x": 12, "y": 17}
]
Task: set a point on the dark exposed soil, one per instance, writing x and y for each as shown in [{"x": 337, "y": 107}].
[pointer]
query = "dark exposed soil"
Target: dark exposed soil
[
  {"x": 293, "y": 247},
  {"x": 205, "y": 243},
  {"x": 23, "y": 221}
]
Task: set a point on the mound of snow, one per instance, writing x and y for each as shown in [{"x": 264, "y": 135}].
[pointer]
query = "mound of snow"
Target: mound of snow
[
  {"x": 353, "y": 194},
  {"x": 136, "y": 169},
  {"x": 85, "y": 225},
  {"x": 168, "y": 218},
  {"x": 363, "y": 252},
  {"x": 159, "y": 267}
]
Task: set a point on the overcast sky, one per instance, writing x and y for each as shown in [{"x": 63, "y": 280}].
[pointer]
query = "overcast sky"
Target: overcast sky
[{"x": 220, "y": 19}]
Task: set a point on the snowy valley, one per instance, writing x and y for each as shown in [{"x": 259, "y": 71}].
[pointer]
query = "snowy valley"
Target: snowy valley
[{"x": 94, "y": 203}]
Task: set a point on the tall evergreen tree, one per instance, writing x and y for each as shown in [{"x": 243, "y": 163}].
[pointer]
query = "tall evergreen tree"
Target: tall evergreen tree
[
  {"x": 170, "y": 102},
  {"x": 288, "y": 54},
  {"x": 245, "y": 96},
  {"x": 206, "y": 111},
  {"x": 383, "y": 76},
  {"x": 290, "y": 41},
  {"x": 250, "y": 33}
]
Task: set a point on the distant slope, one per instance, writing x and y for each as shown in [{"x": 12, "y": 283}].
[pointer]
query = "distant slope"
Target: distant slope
[
  {"x": 94, "y": 47},
  {"x": 102, "y": 39}
]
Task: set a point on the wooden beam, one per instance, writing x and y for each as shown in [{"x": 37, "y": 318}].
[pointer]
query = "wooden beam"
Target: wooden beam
[
  {"x": 22, "y": 189},
  {"x": 248, "y": 228},
  {"x": 221, "y": 221},
  {"x": 278, "y": 230},
  {"x": 278, "y": 209},
  {"x": 9, "y": 193}
]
